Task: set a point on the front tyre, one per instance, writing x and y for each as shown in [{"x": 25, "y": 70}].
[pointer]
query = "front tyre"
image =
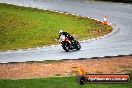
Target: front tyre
[{"x": 66, "y": 47}]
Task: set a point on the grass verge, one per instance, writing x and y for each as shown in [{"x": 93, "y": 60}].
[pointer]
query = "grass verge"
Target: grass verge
[
  {"x": 55, "y": 82},
  {"x": 22, "y": 27}
]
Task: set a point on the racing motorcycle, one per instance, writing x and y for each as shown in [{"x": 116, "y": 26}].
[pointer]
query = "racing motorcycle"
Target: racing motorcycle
[{"x": 68, "y": 45}]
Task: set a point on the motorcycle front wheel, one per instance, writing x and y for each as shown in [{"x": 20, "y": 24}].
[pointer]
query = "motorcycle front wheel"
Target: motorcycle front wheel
[{"x": 66, "y": 47}]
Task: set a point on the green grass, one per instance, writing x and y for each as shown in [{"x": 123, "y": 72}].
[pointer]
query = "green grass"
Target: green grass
[
  {"x": 55, "y": 82},
  {"x": 22, "y": 27}
]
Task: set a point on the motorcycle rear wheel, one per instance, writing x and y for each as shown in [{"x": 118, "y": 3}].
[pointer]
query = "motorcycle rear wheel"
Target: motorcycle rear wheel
[{"x": 78, "y": 47}]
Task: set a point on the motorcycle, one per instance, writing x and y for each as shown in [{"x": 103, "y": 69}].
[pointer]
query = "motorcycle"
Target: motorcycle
[{"x": 68, "y": 45}]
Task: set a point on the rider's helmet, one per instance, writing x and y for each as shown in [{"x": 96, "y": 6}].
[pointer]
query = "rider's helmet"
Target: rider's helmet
[{"x": 60, "y": 31}]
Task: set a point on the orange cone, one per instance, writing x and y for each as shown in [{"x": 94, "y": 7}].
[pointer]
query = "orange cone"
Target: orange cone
[{"x": 105, "y": 20}]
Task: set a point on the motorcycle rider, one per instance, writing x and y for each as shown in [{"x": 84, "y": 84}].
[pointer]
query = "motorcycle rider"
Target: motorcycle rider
[{"x": 67, "y": 35}]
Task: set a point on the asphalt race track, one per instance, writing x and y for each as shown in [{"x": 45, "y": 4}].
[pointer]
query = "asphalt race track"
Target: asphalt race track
[{"x": 119, "y": 43}]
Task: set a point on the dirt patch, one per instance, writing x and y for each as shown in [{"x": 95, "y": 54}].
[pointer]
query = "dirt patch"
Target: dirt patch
[{"x": 115, "y": 65}]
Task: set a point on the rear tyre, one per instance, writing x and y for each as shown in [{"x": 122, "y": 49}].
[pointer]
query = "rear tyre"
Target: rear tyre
[{"x": 78, "y": 47}]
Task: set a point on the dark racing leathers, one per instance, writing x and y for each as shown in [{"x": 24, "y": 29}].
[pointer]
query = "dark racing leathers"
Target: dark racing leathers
[{"x": 72, "y": 40}]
